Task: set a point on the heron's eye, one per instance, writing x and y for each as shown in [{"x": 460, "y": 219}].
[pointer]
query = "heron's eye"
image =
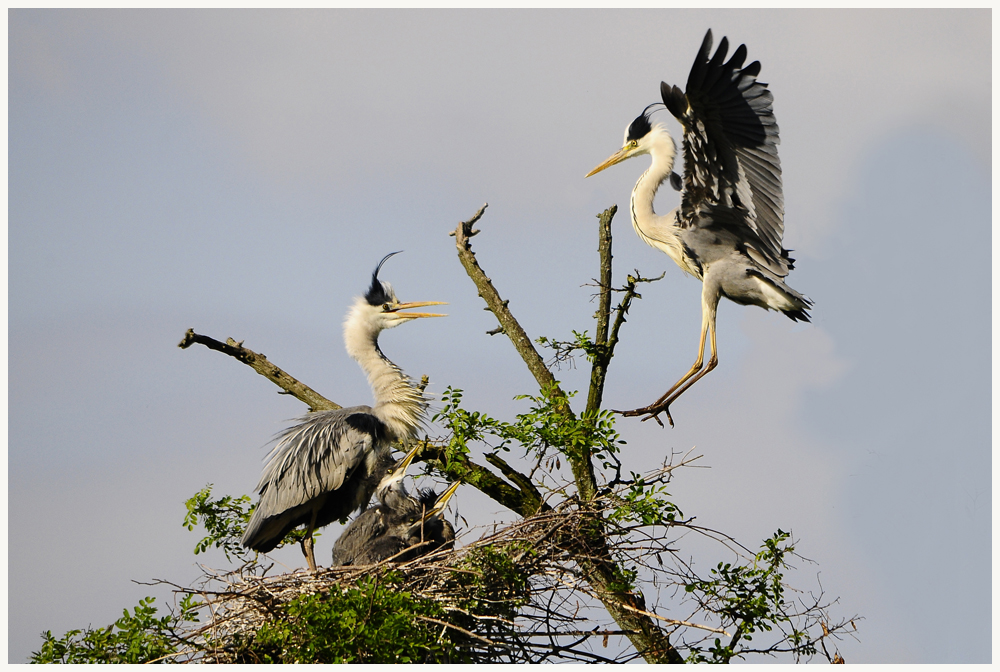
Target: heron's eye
[
  {"x": 386, "y": 307},
  {"x": 633, "y": 144}
]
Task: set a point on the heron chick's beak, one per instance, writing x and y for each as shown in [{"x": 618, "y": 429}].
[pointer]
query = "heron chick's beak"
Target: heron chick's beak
[
  {"x": 404, "y": 463},
  {"x": 441, "y": 502},
  {"x": 626, "y": 152},
  {"x": 418, "y": 304}
]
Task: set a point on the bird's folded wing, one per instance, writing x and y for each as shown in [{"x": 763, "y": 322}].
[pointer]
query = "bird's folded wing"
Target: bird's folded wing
[{"x": 316, "y": 456}]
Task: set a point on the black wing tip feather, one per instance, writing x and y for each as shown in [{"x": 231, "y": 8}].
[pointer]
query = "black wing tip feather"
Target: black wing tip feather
[
  {"x": 674, "y": 99},
  {"x": 797, "y": 315},
  {"x": 706, "y": 45}
]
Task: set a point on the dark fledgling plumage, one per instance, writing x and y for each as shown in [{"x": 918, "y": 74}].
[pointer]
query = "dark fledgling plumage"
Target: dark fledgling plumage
[
  {"x": 328, "y": 465},
  {"x": 397, "y": 523},
  {"x": 728, "y": 229}
]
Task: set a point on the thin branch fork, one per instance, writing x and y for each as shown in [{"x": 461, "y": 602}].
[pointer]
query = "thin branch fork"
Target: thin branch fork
[
  {"x": 511, "y": 327},
  {"x": 601, "y": 571}
]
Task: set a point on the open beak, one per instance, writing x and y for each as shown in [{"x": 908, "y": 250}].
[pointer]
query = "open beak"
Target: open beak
[
  {"x": 418, "y": 304},
  {"x": 404, "y": 463},
  {"x": 441, "y": 502},
  {"x": 617, "y": 157}
]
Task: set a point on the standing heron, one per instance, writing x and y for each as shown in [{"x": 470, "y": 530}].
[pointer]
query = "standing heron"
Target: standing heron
[
  {"x": 328, "y": 465},
  {"x": 727, "y": 231},
  {"x": 397, "y": 523}
]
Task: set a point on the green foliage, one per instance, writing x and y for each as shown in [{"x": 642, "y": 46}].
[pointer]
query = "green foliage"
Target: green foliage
[
  {"x": 544, "y": 426},
  {"x": 225, "y": 520},
  {"x": 564, "y": 349},
  {"x": 644, "y": 503},
  {"x": 139, "y": 637},
  {"x": 466, "y": 426},
  {"x": 749, "y": 598},
  {"x": 372, "y": 623}
]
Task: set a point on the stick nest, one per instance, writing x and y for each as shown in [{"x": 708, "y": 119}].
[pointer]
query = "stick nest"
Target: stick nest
[{"x": 514, "y": 595}]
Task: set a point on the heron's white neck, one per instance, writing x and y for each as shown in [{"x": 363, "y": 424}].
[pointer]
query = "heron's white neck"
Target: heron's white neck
[
  {"x": 398, "y": 403},
  {"x": 661, "y": 150},
  {"x": 657, "y": 231}
]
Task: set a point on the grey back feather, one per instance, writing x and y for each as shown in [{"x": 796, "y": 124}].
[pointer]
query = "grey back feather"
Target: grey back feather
[{"x": 319, "y": 455}]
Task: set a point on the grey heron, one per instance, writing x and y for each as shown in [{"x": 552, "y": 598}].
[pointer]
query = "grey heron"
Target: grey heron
[
  {"x": 329, "y": 464},
  {"x": 727, "y": 231},
  {"x": 398, "y": 522}
]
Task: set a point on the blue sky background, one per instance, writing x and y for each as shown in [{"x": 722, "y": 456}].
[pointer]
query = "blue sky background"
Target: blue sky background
[{"x": 242, "y": 172}]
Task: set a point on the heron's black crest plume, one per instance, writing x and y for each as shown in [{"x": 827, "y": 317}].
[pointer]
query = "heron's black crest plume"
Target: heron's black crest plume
[
  {"x": 378, "y": 294},
  {"x": 641, "y": 125}
]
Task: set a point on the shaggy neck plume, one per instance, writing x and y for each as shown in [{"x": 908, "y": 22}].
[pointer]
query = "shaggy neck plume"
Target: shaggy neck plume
[{"x": 398, "y": 403}]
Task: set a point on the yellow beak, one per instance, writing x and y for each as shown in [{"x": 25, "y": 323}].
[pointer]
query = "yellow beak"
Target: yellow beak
[
  {"x": 418, "y": 304},
  {"x": 441, "y": 502},
  {"x": 405, "y": 462},
  {"x": 619, "y": 156}
]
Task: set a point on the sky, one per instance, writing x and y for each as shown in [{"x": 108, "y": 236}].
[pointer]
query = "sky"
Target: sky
[{"x": 242, "y": 172}]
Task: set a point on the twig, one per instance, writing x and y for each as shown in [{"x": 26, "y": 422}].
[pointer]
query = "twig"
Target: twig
[
  {"x": 258, "y": 362},
  {"x": 455, "y": 627},
  {"x": 462, "y": 468},
  {"x": 674, "y": 621},
  {"x": 522, "y": 481},
  {"x": 510, "y": 326},
  {"x": 602, "y": 358}
]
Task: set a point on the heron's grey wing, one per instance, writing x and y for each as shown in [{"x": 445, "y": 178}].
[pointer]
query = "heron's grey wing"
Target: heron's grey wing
[
  {"x": 309, "y": 460},
  {"x": 730, "y": 145}
]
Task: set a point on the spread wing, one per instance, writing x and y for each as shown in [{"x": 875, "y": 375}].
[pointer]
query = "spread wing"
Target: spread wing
[{"x": 731, "y": 147}]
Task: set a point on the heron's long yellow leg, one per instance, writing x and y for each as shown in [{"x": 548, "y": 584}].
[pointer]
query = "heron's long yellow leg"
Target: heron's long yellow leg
[
  {"x": 695, "y": 368},
  {"x": 713, "y": 361},
  {"x": 307, "y": 543},
  {"x": 709, "y": 305},
  {"x": 659, "y": 405}
]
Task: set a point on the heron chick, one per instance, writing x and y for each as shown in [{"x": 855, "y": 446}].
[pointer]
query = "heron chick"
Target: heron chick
[
  {"x": 727, "y": 231},
  {"x": 400, "y": 521},
  {"x": 328, "y": 465}
]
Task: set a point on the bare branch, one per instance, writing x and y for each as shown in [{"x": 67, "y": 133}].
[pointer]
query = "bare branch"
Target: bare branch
[
  {"x": 258, "y": 362},
  {"x": 522, "y": 502},
  {"x": 599, "y": 370},
  {"x": 510, "y": 326}
]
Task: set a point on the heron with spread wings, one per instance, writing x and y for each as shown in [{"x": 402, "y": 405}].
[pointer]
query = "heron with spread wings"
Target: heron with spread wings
[
  {"x": 330, "y": 464},
  {"x": 727, "y": 231}
]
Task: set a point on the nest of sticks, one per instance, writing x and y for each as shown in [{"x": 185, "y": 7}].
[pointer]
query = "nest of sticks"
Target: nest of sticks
[{"x": 528, "y": 598}]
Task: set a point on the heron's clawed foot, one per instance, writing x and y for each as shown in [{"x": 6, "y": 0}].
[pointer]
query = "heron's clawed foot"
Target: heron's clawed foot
[{"x": 653, "y": 411}]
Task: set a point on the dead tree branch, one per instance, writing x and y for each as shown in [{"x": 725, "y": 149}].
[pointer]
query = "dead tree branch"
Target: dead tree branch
[
  {"x": 627, "y": 607},
  {"x": 258, "y": 362}
]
